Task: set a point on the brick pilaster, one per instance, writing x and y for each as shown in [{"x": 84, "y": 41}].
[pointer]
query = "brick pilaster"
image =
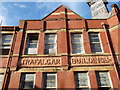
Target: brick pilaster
[
  {"x": 38, "y": 80},
  {"x": 93, "y": 80},
  {"x": 14, "y": 80}
]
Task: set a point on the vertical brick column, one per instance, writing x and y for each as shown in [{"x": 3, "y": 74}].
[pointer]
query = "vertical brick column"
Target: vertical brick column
[
  {"x": 18, "y": 45},
  {"x": 114, "y": 79},
  {"x": 104, "y": 42},
  {"x": 18, "y": 42},
  {"x": 93, "y": 80},
  {"x": 62, "y": 42},
  {"x": 65, "y": 80},
  {"x": 70, "y": 43},
  {"x": 19, "y": 38},
  {"x": 62, "y": 39},
  {"x": 41, "y": 39},
  {"x": 38, "y": 80},
  {"x": 14, "y": 80},
  {"x": 41, "y": 43},
  {"x": 62, "y": 13},
  {"x": 62, "y": 48},
  {"x": 24, "y": 44},
  {"x": 86, "y": 41}
]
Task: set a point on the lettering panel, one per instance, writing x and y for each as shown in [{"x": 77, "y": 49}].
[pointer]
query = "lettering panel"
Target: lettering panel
[
  {"x": 41, "y": 61},
  {"x": 91, "y": 60}
]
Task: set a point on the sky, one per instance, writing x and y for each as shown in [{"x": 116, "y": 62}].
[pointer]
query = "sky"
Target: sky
[{"x": 12, "y": 12}]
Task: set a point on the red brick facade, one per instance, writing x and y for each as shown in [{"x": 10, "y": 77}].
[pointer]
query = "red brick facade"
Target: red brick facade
[{"x": 63, "y": 22}]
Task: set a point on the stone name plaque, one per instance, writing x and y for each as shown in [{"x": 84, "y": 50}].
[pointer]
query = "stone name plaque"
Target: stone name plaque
[
  {"x": 42, "y": 61},
  {"x": 91, "y": 60}
]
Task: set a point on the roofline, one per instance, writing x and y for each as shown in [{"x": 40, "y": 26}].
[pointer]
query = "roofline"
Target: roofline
[
  {"x": 58, "y": 8},
  {"x": 51, "y": 12},
  {"x": 74, "y": 12}
]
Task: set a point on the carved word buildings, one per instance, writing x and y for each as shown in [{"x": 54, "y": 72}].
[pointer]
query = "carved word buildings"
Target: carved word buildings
[{"x": 63, "y": 50}]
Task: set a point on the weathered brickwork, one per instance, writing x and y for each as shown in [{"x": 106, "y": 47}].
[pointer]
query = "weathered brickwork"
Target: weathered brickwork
[{"x": 61, "y": 60}]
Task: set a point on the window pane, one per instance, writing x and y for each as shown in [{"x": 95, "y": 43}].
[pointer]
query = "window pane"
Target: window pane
[
  {"x": 47, "y": 41},
  {"x": 6, "y": 46},
  {"x": 27, "y": 81},
  {"x": 29, "y": 77},
  {"x": 50, "y": 35},
  {"x": 103, "y": 79},
  {"x": 32, "y": 37},
  {"x": 27, "y": 85},
  {"x": 76, "y": 35},
  {"x": 96, "y": 47},
  {"x": 32, "y": 43},
  {"x": 32, "y": 46},
  {"x": 77, "y": 43},
  {"x": 50, "y": 44},
  {"x": 50, "y": 80},
  {"x": 50, "y": 38},
  {"x": 81, "y": 79},
  {"x": 50, "y": 49},
  {"x": 77, "y": 46},
  {"x": 1, "y": 78},
  {"x": 6, "y": 39},
  {"x": 76, "y": 39},
  {"x": 31, "y": 51},
  {"x": 95, "y": 42},
  {"x": 94, "y": 37},
  {"x": 77, "y": 50},
  {"x": 5, "y": 51},
  {"x": 23, "y": 77}
]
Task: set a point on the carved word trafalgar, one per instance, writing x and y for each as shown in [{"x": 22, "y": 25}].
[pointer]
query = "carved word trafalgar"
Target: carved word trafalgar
[
  {"x": 41, "y": 61},
  {"x": 91, "y": 60}
]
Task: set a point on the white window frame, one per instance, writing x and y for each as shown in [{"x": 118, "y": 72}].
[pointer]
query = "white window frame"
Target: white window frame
[
  {"x": 100, "y": 42},
  {"x": 49, "y": 73},
  {"x": 110, "y": 86},
  {"x": 27, "y": 49},
  {"x": 82, "y": 43},
  {"x": 25, "y": 81},
  {"x": 7, "y": 44},
  {"x": 88, "y": 83},
  {"x": 7, "y": 39},
  {"x": 101, "y": 45},
  {"x": 55, "y": 48},
  {"x": 1, "y": 79}
]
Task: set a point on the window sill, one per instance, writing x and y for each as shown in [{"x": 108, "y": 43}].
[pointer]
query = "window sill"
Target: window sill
[
  {"x": 28, "y": 55},
  {"x": 2, "y": 56},
  {"x": 85, "y": 54}
]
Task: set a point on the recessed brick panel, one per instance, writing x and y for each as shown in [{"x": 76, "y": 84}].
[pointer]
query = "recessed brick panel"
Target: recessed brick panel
[
  {"x": 14, "y": 80},
  {"x": 38, "y": 80},
  {"x": 66, "y": 79}
]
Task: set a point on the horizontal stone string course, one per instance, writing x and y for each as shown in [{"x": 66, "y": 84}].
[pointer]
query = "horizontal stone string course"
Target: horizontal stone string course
[
  {"x": 93, "y": 60},
  {"x": 57, "y": 61},
  {"x": 41, "y": 62}
]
